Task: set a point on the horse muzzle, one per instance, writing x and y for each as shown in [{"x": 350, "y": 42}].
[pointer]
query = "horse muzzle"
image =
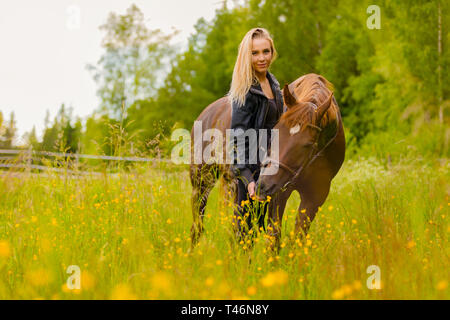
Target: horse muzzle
[{"x": 262, "y": 191}]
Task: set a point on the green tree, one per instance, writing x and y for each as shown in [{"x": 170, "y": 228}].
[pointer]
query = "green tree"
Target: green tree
[
  {"x": 347, "y": 61},
  {"x": 32, "y": 140},
  {"x": 62, "y": 136},
  {"x": 95, "y": 138},
  {"x": 422, "y": 29},
  {"x": 8, "y": 132},
  {"x": 132, "y": 62}
]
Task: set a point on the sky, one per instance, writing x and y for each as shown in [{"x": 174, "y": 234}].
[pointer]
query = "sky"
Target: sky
[{"x": 46, "y": 45}]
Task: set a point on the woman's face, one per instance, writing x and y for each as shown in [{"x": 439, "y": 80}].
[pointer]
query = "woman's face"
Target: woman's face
[{"x": 261, "y": 55}]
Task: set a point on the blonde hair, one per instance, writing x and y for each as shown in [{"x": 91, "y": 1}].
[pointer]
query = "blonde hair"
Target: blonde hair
[{"x": 244, "y": 75}]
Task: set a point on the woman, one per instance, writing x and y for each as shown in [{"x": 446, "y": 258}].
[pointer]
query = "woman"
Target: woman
[{"x": 257, "y": 103}]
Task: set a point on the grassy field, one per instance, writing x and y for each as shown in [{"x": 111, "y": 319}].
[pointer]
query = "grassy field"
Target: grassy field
[{"x": 129, "y": 234}]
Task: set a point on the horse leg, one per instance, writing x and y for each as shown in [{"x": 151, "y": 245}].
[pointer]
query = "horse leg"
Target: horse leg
[
  {"x": 229, "y": 187},
  {"x": 203, "y": 178},
  {"x": 312, "y": 197},
  {"x": 276, "y": 211}
]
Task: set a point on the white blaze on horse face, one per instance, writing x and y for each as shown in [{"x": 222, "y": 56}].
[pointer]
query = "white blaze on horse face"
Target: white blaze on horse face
[{"x": 294, "y": 129}]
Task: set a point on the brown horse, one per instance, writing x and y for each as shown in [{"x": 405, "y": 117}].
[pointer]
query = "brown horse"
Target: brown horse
[{"x": 311, "y": 152}]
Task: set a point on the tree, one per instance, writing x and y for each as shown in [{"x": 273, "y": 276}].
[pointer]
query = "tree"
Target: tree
[
  {"x": 94, "y": 139},
  {"x": 421, "y": 29},
  {"x": 62, "y": 134},
  {"x": 8, "y": 132},
  {"x": 347, "y": 61},
  {"x": 132, "y": 62},
  {"x": 72, "y": 136},
  {"x": 31, "y": 139}
]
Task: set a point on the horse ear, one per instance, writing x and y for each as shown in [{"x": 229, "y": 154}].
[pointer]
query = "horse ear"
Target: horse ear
[
  {"x": 289, "y": 99},
  {"x": 324, "y": 107}
]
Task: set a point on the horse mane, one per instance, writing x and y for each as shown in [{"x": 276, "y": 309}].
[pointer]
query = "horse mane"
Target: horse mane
[{"x": 312, "y": 90}]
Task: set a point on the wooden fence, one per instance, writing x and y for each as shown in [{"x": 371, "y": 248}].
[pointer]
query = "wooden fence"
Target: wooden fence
[{"x": 28, "y": 159}]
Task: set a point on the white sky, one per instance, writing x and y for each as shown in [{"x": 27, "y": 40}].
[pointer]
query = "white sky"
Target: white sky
[{"x": 43, "y": 54}]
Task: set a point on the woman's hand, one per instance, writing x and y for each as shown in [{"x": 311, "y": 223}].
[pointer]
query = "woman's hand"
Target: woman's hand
[{"x": 251, "y": 189}]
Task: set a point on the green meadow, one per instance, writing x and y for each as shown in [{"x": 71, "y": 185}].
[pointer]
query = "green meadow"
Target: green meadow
[{"x": 129, "y": 235}]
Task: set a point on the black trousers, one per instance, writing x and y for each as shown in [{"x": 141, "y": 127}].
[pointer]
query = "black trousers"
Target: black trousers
[{"x": 254, "y": 209}]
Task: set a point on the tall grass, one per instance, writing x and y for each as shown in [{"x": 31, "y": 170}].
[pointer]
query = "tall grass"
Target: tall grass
[{"x": 129, "y": 234}]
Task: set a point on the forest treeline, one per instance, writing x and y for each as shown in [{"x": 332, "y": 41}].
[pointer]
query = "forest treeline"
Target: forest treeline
[{"x": 392, "y": 84}]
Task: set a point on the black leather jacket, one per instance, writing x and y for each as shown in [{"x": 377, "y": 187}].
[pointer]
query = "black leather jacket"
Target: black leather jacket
[{"x": 251, "y": 115}]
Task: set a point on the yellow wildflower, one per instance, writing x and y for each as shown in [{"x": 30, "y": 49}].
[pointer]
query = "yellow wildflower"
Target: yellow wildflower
[
  {"x": 4, "y": 249},
  {"x": 337, "y": 294},
  {"x": 209, "y": 281},
  {"x": 251, "y": 291},
  {"x": 279, "y": 277},
  {"x": 38, "y": 278},
  {"x": 87, "y": 280},
  {"x": 410, "y": 244},
  {"x": 161, "y": 282},
  {"x": 123, "y": 292},
  {"x": 442, "y": 285}
]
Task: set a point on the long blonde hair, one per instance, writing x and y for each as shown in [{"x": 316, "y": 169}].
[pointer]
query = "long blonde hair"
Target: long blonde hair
[{"x": 244, "y": 75}]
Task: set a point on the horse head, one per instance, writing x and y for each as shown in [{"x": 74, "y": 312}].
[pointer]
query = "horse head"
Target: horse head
[{"x": 298, "y": 129}]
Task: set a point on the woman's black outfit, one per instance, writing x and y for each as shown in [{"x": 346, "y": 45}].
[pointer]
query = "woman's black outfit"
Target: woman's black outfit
[{"x": 258, "y": 112}]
